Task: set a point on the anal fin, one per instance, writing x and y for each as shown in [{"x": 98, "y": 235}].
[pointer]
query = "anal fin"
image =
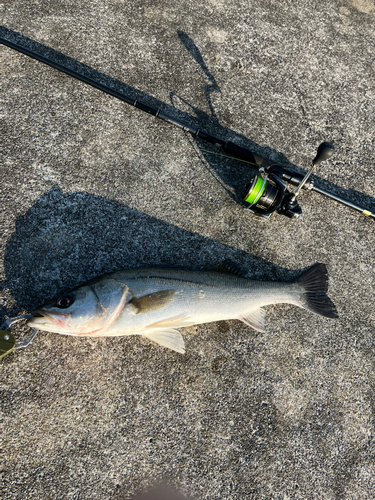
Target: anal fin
[
  {"x": 256, "y": 319},
  {"x": 167, "y": 338}
]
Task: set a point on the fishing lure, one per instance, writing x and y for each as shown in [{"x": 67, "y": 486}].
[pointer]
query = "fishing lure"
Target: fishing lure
[{"x": 7, "y": 341}]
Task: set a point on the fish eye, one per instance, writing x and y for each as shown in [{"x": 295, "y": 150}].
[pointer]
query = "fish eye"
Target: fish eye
[{"x": 64, "y": 302}]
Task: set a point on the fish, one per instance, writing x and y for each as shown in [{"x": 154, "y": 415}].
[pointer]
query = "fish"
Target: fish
[{"x": 155, "y": 302}]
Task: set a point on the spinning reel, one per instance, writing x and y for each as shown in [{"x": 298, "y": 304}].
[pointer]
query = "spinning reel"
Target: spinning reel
[{"x": 268, "y": 193}]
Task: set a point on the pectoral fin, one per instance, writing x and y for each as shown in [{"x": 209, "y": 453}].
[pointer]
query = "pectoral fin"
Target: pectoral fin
[
  {"x": 152, "y": 302},
  {"x": 168, "y": 338},
  {"x": 256, "y": 319}
]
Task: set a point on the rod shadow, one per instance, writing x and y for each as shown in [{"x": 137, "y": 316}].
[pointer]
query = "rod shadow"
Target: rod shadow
[
  {"x": 64, "y": 240},
  {"x": 227, "y": 172}
]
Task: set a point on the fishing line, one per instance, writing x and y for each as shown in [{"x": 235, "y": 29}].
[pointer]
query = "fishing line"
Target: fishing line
[{"x": 197, "y": 150}]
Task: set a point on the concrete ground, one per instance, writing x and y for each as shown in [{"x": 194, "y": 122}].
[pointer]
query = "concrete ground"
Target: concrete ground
[{"x": 90, "y": 185}]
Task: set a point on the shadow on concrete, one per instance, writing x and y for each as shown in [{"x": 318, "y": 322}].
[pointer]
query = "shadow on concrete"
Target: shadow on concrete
[
  {"x": 66, "y": 239},
  {"x": 229, "y": 173}
]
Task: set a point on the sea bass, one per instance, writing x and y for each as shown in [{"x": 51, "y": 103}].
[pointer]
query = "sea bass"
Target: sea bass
[{"x": 154, "y": 302}]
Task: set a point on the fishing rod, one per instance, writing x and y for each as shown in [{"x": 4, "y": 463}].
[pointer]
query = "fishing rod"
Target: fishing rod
[{"x": 265, "y": 193}]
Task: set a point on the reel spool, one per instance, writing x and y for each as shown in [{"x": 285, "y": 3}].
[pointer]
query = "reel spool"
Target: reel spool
[
  {"x": 262, "y": 196},
  {"x": 265, "y": 195}
]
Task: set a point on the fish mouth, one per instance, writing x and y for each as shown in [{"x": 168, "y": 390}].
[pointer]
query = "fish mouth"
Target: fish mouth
[
  {"x": 42, "y": 318},
  {"x": 38, "y": 314}
]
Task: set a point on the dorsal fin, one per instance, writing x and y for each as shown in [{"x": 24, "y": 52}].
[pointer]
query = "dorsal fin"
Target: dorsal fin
[{"x": 230, "y": 267}]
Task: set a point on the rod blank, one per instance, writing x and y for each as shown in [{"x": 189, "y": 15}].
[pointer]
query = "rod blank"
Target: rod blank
[{"x": 344, "y": 202}]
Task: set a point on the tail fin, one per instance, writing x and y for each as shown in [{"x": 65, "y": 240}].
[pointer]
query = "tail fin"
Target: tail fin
[{"x": 315, "y": 284}]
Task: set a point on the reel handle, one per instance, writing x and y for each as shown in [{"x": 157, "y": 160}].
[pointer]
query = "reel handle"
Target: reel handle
[{"x": 325, "y": 151}]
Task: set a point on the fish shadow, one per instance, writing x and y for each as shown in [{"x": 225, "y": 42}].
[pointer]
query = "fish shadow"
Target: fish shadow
[
  {"x": 65, "y": 239},
  {"x": 232, "y": 175}
]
